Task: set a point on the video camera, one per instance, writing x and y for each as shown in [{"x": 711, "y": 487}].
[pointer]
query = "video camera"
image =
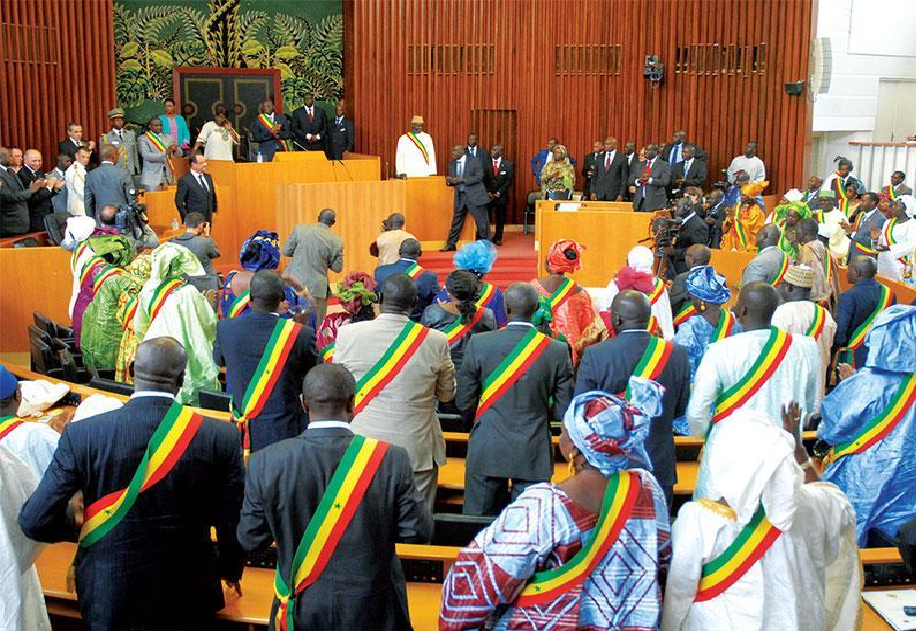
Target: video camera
[
  {"x": 131, "y": 216},
  {"x": 664, "y": 232}
]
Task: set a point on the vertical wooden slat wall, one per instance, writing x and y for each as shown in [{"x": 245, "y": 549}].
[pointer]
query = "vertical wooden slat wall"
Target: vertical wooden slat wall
[
  {"x": 720, "y": 110},
  {"x": 57, "y": 66}
]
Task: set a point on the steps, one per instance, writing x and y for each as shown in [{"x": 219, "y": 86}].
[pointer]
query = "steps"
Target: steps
[{"x": 517, "y": 262}]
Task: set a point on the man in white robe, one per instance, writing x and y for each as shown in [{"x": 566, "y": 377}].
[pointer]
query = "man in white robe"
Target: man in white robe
[
  {"x": 640, "y": 260},
  {"x": 896, "y": 258},
  {"x": 415, "y": 156}
]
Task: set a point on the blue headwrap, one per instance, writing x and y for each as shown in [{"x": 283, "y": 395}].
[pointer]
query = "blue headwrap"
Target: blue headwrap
[
  {"x": 261, "y": 251},
  {"x": 609, "y": 430},
  {"x": 892, "y": 340},
  {"x": 705, "y": 284},
  {"x": 477, "y": 257},
  {"x": 8, "y": 383}
]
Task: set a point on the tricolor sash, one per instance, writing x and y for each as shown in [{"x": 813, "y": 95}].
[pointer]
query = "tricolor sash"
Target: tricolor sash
[
  {"x": 748, "y": 547},
  {"x": 387, "y": 368},
  {"x": 419, "y": 145},
  {"x": 457, "y": 330},
  {"x": 739, "y": 228},
  {"x": 781, "y": 273},
  {"x": 725, "y": 326},
  {"x": 165, "y": 448},
  {"x": 262, "y": 382},
  {"x": 157, "y": 141},
  {"x": 817, "y": 324},
  {"x": 857, "y": 339},
  {"x": 90, "y": 267},
  {"x": 127, "y": 311},
  {"x": 77, "y": 253},
  {"x": 891, "y": 192},
  {"x": 861, "y": 248},
  {"x": 889, "y": 236},
  {"x": 100, "y": 279},
  {"x": 771, "y": 356},
  {"x": 839, "y": 186},
  {"x": 414, "y": 270},
  {"x": 161, "y": 295},
  {"x": 8, "y": 424},
  {"x": 262, "y": 118},
  {"x": 327, "y": 353},
  {"x": 238, "y": 305},
  {"x": 327, "y": 525},
  {"x": 653, "y": 361},
  {"x": 657, "y": 290},
  {"x": 619, "y": 499},
  {"x": 561, "y": 293},
  {"x": 512, "y": 367},
  {"x": 487, "y": 292},
  {"x": 880, "y": 426},
  {"x": 686, "y": 312}
]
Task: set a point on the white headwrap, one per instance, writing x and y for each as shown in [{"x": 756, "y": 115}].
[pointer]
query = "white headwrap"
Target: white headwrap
[
  {"x": 640, "y": 258},
  {"x": 910, "y": 202},
  {"x": 793, "y": 195},
  {"x": 79, "y": 228},
  {"x": 752, "y": 461}
]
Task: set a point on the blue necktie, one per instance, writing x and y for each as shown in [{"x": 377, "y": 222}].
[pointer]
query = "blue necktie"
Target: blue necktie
[{"x": 675, "y": 154}]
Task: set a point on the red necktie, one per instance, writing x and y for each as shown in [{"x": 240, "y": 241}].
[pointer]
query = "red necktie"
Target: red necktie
[
  {"x": 495, "y": 167},
  {"x": 607, "y": 162},
  {"x": 646, "y": 171},
  {"x": 310, "y": 115}
]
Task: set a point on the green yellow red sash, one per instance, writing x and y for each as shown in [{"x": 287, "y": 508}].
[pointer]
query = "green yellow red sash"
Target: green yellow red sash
[
  {"x": 77, "y": 253},
  {"x": 165, "y": 448},
  {"x": 157, "y": 141},
  {"x": 414, "y": 270},
  {"x": 843, "y": 199},
  {"x": 653, "y": 361},
  {"x": 686, "y": 312},
  {"x": 889, "y": 236},
  {"x": 90, "y": 267},
  {"x": 562, "y": 293},
  {"x": 238, "y": 305},
  {"x": 781, "y": 273},
  {"x": 486, "y": 293},
  {"x": 858, "y": 336},
  {"x": 861, "y": 248},
  {"x": 771, "y": 356},
  {"x": 100, "y": 279},
  {"x": 510, "y": 370},
  {"x": 457, "y": 330},
  {"x": 8, "y": 424},
  {"x": 387, "y": 368},
  {"x": 262, "y": 382},
  {"x": 739, "y": 228},
  {"x": 749, "y": 547},
  {"x": 335, "y": 511},
  {"x": 262, "y": 118},
  {"x": 419, "y": 145},
  {"x": 127, "y": 311},
  {"x": 880, "y": 426},
  {"x": 724, "y": 327},
  {"x": 891, "y": 192},
  {"x": 161, "y": 295},
  {"x": 619, "y": 499},
  {"x": 817, "y": 324},
  {"x": 657, "y": 290},
  {"x": 327, "y": 353}
]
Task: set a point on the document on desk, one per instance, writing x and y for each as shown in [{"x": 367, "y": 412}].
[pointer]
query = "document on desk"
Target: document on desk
[
  {"x": 568, "y": 207},
  {"x": 889, "y": 605}
]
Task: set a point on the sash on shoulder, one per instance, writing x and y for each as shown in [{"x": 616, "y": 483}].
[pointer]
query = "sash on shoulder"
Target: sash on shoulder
[
  {"x": 392, "y": 361},
  {"x": 162, "y": 294},
  {"x": 156, "y": 141},
  {"x": 127, "y": 311},
  {"x": 90, "y": 267},
  {"x": 327, "y": 353},
  {"x": 685, "y": 314},
  {"x": 562, "y": 293},
  {"x": 619, "y": 499},
  {"x": 165, "y": 448},
  {"x": 512, "y": 367},
  {"x": 8, "y": 424},
  {"x": 771, "y": 356},
  {"x": 335, "y": 511},
  {"x": 419, "y": 145},
  {"x": 725, "y": 327},
  {"x": 104, "y": 275},
  {"x": 748, "y": 547},
  {"x": 783, "y": 268},
  {"x": 486, "y": 294},
  {"x": 857, "y": 339},
  {"x": 414, "y": 270},
  {"x": 653, "y": 361},
  {"x": 457, "y": 330},
  {"x": 817, "y": 324},
  {"x": 238, "y": 305}
]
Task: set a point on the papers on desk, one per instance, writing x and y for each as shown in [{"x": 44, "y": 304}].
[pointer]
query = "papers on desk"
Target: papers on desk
[
  {"x": 889, "y": 605},
  {"x": 568, "y": 207}
]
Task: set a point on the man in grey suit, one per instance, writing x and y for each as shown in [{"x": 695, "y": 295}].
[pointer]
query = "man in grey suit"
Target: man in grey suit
[
  {"x": 315, "y": 250},
  {"x": 107, "y": 184},
  {"x": 510, "y": 439},
  {"x": 125, "y": 141},
  {"x": 764, "y": 268},
  {"x": 651, "y": 178},
  {"x": 14, "y": 209},
  {"x": 156, "y": 172},
  {"x": 465, "y": 174},
  {"x": 59, "y": 201},
  {"x": 861, "y": 229}
]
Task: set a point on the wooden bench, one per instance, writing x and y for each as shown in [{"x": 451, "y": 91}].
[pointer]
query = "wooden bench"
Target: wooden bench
[{"x": 41, "y": 237}]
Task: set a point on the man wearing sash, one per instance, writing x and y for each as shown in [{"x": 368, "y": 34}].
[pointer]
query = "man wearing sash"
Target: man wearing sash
[
  {"x": 270, "y": 130},
  {"x": 696, "y": 256},
  {"x": 335, "y": 503},
  {"x": 155, "y": 478},
  {"x": 897, "y": 243},
  {"x": 402, "y": 369},
  {"x": 415, "y": 155},
  {"x": 426, "y": 282},
  {"x": 760, "y": 369},
  {"x": 870, "y": 420},
  {"x": 266, "y": 358},
  {"x": 510, "y": 438},
  {"x": 814, "y": 254},
  {"x": 771, "y": 553},
  {"x": 156, "y": 149},
  {"x": 863, "y": 231},
  {"x": 770, "y": 262},
  {"x": 635, "y": 352},
  {"x": 857, "y": 309}
]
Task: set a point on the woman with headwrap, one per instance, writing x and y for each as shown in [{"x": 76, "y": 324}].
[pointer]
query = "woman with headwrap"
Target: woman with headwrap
[
  {"x": 586, "y": 553},
  {"x": 787, "y": 215},
  {"x": 558, "y": 177},
  {"x": 897, "y": 242},
  {"x": 259, "y": 251},
  {"x": 478, "y": 257},
  {"x": 744, "y": 220},
  {"x": 460, "y": 317},
  {"x": 357, "y": 294},
  {"x": 101, "y": 333},
  {"x": 772, "y": 553},
  {"x": 169, "y": 307},
  {"x": 707, "y": 322},
  {"x": 137, "y": 273},
  {"x": 566, "y": 307},
  {"x": 109, "y": 252},
  {"x": 637, "y": 274}
]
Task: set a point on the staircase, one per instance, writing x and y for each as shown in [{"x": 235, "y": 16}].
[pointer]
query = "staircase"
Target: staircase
[{"x": 517, "y": 262}]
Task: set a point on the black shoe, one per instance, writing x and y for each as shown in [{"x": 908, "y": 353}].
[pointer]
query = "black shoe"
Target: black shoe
[
  {"x": 448, "y": 248},
  {"x": 497, "y": 242}
]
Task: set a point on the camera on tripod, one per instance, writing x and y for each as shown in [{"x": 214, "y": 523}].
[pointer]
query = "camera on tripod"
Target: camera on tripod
[
  {"x": 130, "y": 217},
  {"x": 664, "y": 232}
]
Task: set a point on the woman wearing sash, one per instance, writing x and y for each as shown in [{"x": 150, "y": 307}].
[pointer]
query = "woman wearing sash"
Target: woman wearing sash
[
  {"x": 898, "y": 241},
  {"x": 357, "y": 294},
  {"x": 787, "y": 216},
  {"x": 460, "y": 317},
  {"x": 585, "y": 553},
  {"x": 137, "y": 273},
  {"x": 101, "y": 334},
  {"x": 110, "y": 251},
  {"x": 565, "y": 306},
  {"x": 771, "y": 553},
  {"x": 870, "y": 420},
  {"x": 478, "y": 257},
  {"x": 744, "y": 220},
  {"x": 708, "y": 321}
]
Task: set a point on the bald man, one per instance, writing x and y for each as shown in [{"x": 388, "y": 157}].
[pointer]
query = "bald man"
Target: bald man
[
  {"x": 792, "y": 365},
  {"x": 153, "y": 557},
  {"x": 696, "y": 256},
  {"x": 765, "y": 267},
  {"x": 108, "y": 183},
  {"x": 855, "y": 307},
  {"x": 609, "y": 365},
  {"x": 315, "y": 250},
  {"x": 40, "y": 203}
]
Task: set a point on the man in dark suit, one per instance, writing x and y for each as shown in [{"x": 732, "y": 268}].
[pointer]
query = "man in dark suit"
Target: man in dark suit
[
  {"x": 341, "y": 134},
  {"x": 690, "y": 171},
  {"x": 74, "y": 141},
  {"x": 610, "y": 179},
  {"x": 590, "y": 167},
  {"x": 869, "y": 218},
  {"x": 856, "y": 304},
  {"x": 476, "y": 151},
  {"x": 694, "y": 230},
  {"x": 466, "y": 175},
  {"x": 629, "y": 152},
  {"x": 157, "y": 565},
  {"x": 240, "y": 345},
  {"x": 608, "y": 365},
  {"x": 310, "y": 124},
  {"x": 195, "y": 192},
  {"x": 695, "y": 256},
  {"x": 650, "y": 177},
  {"x": 40, "y": 203},
  {"x": 672, "y": 152},
  {"x": 14, "y": 209},
  {"x": 269, "y": 136},
  {"x": 360, "y": 585},
  {"x": 511, "y": 439},
  {"x": 426, "y": 282},
  {"x": 498, "y": 174},
  {"x": 715, "y": 216},
  {"x": 107, "y": 184}
]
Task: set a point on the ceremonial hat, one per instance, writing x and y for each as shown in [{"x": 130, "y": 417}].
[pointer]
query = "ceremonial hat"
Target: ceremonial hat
[
  {"x": 800, "y": 276},
  {"x": 416, "y": 120},
  {"x": 116, "y": 112}
]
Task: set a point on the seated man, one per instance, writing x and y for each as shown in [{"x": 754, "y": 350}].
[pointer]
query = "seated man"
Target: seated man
[
  {"x": 197, "y": 238},
  {"x": 133, "y": 224},
  {"x": 802, "y": 569},
  {"x": 359, "y": 488},
  {"x": 426, "y": 282}
]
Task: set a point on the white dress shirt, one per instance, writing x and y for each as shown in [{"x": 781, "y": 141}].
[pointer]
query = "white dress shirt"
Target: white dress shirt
[
  {"x": 752, "y": 166},
  {"x": 76, "y": 180}
]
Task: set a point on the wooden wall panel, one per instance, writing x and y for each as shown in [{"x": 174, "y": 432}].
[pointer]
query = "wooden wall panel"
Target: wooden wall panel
[
  {"x": 57, "y": 61},
  {"x": 720, "y": 110}
]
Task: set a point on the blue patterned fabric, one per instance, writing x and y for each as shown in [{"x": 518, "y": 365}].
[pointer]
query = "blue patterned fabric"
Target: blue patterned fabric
[{"x": 294, "y": 300}]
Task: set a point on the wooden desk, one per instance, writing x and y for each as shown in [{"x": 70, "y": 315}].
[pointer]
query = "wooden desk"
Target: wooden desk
[
  {"x": 32, "y": 279},
  {"x": 40, "y": 237},
  {"x": 551, "y": 205}
]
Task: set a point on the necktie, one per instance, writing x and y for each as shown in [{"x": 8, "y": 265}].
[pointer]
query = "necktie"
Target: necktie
[
  {"x": 310, "y": 114},
  {"x": 607, "y": 161},
  {"x": 337, "y": 122},
  {"x": 675, "y": 154},
  {"x": 203, "y": 183},
  {"x": 459, "y": 169},
  {"x": 120, "y": 137},
  {"x": 646, "y": 172},
  {"x": 495, "y": 167}
]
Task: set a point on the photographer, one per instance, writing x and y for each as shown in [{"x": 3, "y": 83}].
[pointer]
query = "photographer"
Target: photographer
[
  {"x": 693, "y": 229},
  {"x": 131, "y": 221},
  {"x": 387, "y": 246},
  {"x": 197, "y": 239}
]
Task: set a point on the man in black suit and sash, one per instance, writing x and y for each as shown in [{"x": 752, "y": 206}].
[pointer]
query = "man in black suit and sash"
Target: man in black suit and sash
[{"x": 270, "y": 130}]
